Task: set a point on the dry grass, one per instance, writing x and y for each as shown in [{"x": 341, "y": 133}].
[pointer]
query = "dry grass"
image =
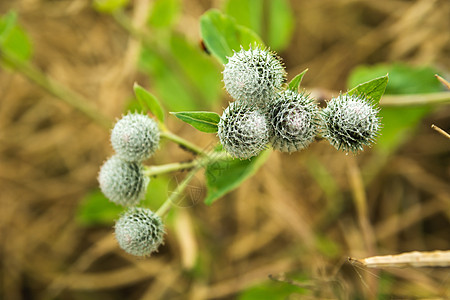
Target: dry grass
[{"x": 50, "y": 155}]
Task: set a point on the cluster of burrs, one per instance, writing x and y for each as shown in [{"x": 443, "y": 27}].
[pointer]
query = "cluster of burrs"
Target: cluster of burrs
[
  {"x": 134, "y": 138},
  {"x": 266, "y": 112}
]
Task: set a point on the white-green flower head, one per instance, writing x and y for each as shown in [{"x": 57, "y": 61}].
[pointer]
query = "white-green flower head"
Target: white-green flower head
[
  {"x": 139, "y": 231},
  {"x": 243, "y": 131},
  {"x": 350, "y": 122},
  {"x": 294, "y": 120},
  {"x": 253, "y": 75},
  {"x": 123, "y": 182},
  {"x": 135, "y": 137}
]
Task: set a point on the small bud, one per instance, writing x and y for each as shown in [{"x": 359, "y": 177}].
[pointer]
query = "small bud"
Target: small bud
[
  {"x": 294, "y": 121},
  {"x": 135, "y": 137},
  {"x": 243, "y": 131},
  {"x": 123, "y": 182},
  {"x": 253, "y": 75},
  {"x": 139, "y": 231},
  {"x": 349, "y": 122}
]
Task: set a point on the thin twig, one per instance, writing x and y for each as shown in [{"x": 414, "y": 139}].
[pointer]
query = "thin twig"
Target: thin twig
[
  {"x": 443, "y": 81},
  {"x": 409, "y": 259},
  {"x": 415, "y": 99},
  {"x": 441, "y": 131}
]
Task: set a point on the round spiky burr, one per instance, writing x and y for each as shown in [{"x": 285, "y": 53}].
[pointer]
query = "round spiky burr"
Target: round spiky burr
[
  {"x": 253, "y": 75},
  {"x": 350, "y": 122},
  {"x": 139, "y": 231},
  {"x": 135, "y": 137},
  {"x": 294, "y": 120},
  {"x": 123, "y": 182},
  {"x": 243, "y": 130}
]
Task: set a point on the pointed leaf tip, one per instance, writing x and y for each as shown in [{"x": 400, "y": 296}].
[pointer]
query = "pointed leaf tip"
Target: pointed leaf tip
[
  {"x": 204, "y": 121},
  {"x": 148, "y": 102},
  {"x": 294, "y": 84},
  {"x": 372, "y": 89}
]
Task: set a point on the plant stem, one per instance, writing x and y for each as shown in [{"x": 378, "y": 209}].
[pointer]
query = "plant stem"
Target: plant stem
[
  {"x": 56, "y": 89},
  {"x": 165, "y": 207},
  {"x": 415, "y": 99},
  {"x": 182, "y": 142},
  {"x": 196, "y": 165},
  {"x": 167, "y": 168}
]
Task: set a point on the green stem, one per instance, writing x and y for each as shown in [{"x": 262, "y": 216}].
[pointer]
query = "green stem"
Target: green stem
[
  {"x": 56, "y": 89},
  {"x": 197, "y": 165},
  {"x": 165, "y": 207},
  {"x": 167, "y": 168},
  {"x": 182, "y": 142},
  {"x": 415, "y": 99}
]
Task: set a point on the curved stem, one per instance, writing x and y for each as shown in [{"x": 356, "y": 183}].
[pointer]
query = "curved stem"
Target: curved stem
[
  {"x": 197, "y": 164},
  {"x": 167, "y": 168},
  {"x": 165, "y": 207},
  {"x": 182, "y": 142},
  {"x": 56, "y": 89}
]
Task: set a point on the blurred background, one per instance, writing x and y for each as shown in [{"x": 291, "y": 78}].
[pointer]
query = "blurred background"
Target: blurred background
[{"x": 285, "y": 233}]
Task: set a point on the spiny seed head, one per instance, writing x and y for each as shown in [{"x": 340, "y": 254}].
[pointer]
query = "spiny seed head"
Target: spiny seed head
[
  {"x": 294, "y": 121},
  {"x": 349, "y": 122},
  {"x": 123, "y": 182},
  {"x": 253, "y": 75},
  {"x": 139, "y": 231},
  {"x": 243, "y": 131},
  {"x": 135, "y": 137}
]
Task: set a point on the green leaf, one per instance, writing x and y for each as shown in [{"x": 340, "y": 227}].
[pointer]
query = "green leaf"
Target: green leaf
[
  {"x": 201, "y": 120},
  {"x": 281, "y": 24},
  {"x": 272, "y": 20},
  {"x": 224, "y": 176},
  {"x": 13, "y": 38},
  {"x": 202, "y": 72},
  {"x": 166, "y": 82},
  {"x": 7, "y": 24},
  {"x": 373, "y": 89},
  {"x": 182, "y": 76},
  {"x": 109, "y": 6},
  {"x": 295, "y": 82},
  {"x": 403, "y": 78},
  {"x": 148, "y": 100},
  {"x": 221, "y": 35},
  {"x": 164, "y": 13},
  {"x": 399, "y": 122},
  {"x": 96, "y": 209}
]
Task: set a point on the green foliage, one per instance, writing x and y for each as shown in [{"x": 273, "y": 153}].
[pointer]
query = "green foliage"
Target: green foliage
[
  {"x": 221, "y": 35},
  {"x": 109, "y": 6},
  {"x": 202, "y": 72},
  {"x": 328, "y": 247},
  {"x": 164, "y": 13},
  {"x": 149, "y": 102},
  {"x": 13, "y": 38},
  {"x": 274, "y": 290},
  {"x": 373, "y": 89},
  {"x": 204, "y": 121},
  {"x": 95, "y": 209},
  {"x": 181, "y": 75},
  {"x": 224, "y": 176},
  {"x": 403, "y": 78},
  {"x": 272, "y": 20},
  {"x": 399, "y": 122},
  {"x": 294, "y": 84}
]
